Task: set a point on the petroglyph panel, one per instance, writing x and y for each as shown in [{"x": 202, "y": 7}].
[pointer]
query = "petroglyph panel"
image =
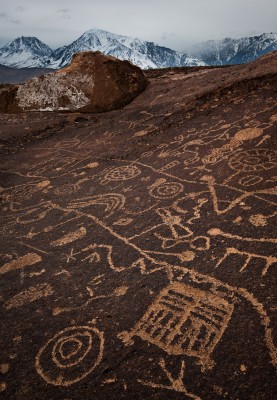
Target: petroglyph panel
[
  {"x": 185, "y": 320},
  {"x": 153, "y": 224}
]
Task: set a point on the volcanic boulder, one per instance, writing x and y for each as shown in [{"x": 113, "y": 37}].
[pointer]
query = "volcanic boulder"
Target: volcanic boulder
[{"x": 92, "y": 82}]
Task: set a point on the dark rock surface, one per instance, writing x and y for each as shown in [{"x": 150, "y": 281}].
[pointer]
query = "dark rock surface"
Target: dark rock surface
[
  {"x": 92, "y": 82},
  {"x": 138, "y": 255}
]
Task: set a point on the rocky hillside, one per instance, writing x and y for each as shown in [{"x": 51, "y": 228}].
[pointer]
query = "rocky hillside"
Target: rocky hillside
[{"x": 138, "y": 254}]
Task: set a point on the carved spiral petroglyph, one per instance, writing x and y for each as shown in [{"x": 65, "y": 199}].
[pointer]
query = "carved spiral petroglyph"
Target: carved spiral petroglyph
[
  {"x": 70, "y": 355},
  {"x": 166, "y": 190}
]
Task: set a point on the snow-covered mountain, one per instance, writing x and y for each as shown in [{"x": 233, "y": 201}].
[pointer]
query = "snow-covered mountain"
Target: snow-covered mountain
[
  {"x": 235, "y": 51},
  {"x": 30, "y": 52},
  {"x": 25, "y": 52},
  {"x": 144, "y": 54}
]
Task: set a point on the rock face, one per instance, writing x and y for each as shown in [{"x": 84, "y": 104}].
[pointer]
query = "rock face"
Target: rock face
[
  {"x": 93, "y": 82},
  {"x": 138, "y": 248}
]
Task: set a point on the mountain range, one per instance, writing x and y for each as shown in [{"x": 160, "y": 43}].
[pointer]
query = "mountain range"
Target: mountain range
[
  {"x": 30, "y": 52},
  {"x": 235, "y": 51}
]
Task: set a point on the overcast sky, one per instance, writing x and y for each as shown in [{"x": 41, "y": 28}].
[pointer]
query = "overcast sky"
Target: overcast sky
[{"x": 172, "y": 23}]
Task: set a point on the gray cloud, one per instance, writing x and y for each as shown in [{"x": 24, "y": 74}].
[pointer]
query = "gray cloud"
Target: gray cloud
[
  {"x": 20, "y": 9},
  {"x": 9, "y": 20},
  {"x": 172, "y": 23},
  {"x": 14, "y": 21},
  {"x": 64, "y": 13}
]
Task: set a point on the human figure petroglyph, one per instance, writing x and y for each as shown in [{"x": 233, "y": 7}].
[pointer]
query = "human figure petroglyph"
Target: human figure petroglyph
[{"x": 179, "y": 232}]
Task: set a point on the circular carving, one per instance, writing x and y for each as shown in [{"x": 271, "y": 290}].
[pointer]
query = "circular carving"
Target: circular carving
[
  {"x": 166, "y": 190},
  {"x": 121, "y": 173},
  {"x": 254, "y": 160},
  {"x": 67, "y": 188},
  {"x": 250, "y": 180},
  {"x": 70, "y": 355}
]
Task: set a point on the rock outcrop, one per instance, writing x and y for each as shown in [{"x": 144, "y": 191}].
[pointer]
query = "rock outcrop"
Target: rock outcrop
[{"x": 93, "y": 82}]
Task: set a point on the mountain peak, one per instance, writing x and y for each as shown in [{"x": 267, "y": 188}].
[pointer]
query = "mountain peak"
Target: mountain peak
[
  {"x": 141, "y": 53},
  {"x": 25, "y": 51}
]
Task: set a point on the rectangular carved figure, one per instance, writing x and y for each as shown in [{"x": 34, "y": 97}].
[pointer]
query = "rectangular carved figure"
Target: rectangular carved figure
[{"x": 185, "y": 320}]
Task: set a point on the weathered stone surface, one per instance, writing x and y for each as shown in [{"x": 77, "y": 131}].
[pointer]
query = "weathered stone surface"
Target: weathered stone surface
[
  {"x": 93, "y": 82},
  {"x": 7, "y": 98}
]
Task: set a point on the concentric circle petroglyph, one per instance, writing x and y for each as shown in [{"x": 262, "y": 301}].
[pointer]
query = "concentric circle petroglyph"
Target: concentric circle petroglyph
[
  {"x": 166, "y": 190},
  {"x": 70, "y": 355},
  {"x": 67, "y": 188},
  {"x": 121, "y": 173},
  {"x": 254, "y": 160}
]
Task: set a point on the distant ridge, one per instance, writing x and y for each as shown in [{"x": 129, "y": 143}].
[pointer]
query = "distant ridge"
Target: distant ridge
[
  {"x": 19, "y": 75},
  {"x": 235, "y": 51}
]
